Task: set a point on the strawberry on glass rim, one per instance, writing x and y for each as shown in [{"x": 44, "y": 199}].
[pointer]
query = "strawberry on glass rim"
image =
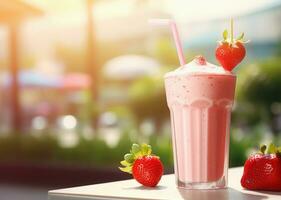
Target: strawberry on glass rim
[
  {"x": 145, "y": 167},
  {"x": 230, "y": 51},
  {"x": 262, "y": 171}
]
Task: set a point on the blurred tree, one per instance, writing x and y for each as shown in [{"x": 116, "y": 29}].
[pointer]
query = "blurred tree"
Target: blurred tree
[
  {"x": 148, "y": 101},
  {"x": 278, "y": 52},
  {"x": 165, "y": 51},
  {"x": 259, "y": 94}
]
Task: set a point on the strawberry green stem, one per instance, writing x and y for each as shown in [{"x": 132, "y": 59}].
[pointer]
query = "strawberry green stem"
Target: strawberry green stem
[{"x": 231, "y": 30}]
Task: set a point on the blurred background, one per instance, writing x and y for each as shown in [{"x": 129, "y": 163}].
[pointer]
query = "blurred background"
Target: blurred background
[{"x": 80, "y": 80}]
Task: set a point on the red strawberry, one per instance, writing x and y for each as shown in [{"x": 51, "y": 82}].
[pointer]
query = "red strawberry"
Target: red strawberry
[
  {"x": 229, "y": 55},
  {"x": 230, "y": 52},
  {"x": 263, "y": 171},
  {"x": 147, "y": 169},
  {"x": 200, "y": 60}
]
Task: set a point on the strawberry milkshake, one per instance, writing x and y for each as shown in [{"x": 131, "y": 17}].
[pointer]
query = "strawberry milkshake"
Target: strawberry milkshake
[{"x": 200, "y": 96}]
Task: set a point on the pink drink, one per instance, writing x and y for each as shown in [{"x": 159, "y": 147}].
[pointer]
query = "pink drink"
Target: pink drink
[{"x": 200, "y": 97}]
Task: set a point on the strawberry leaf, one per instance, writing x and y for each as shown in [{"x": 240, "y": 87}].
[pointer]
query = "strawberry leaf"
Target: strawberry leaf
[
  {"x": 225, "y": 35},
  {"x": 138, "y": 154},
  {"x": 129, "y": 158},
  {"x": 135, "y": 148},
  {"x": 146, "y": 149},
  {"x": 126, "y": 169},
  {"x": 271, "y": 149},
  {"x": 240, "y": 37},
  {"x": 263, "y": 148},
  {"x": 247, "y": 41},
  {"x": 125, "y": 163}
]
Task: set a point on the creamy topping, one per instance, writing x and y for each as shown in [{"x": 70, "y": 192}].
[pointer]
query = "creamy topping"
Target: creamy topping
[{"x": 196, "y": 68}]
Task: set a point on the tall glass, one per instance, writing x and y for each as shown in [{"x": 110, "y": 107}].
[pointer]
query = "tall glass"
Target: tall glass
[{"x": 200, "y": 102}]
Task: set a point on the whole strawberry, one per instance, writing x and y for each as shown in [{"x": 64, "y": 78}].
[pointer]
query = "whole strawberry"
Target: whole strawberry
[
  {"x": 146, "y": 168},
  {"x": 230, "y": 52},
  {"x": 262, "y": 171}
]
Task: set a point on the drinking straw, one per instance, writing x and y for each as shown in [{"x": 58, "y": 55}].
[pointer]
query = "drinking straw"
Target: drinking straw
[{"x": 173, "y": 26}]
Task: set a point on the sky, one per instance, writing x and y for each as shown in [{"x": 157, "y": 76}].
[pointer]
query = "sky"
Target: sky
[
  {"x": 196, "y": 10},
  {"x": 183, "y": 10}
]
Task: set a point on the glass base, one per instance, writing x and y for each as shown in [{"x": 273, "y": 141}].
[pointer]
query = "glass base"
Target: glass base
[
  {"x": 220, "y": 184},
  {"x": 221, "y": 194}
]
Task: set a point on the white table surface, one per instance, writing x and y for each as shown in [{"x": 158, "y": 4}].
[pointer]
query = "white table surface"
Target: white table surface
[{"x": 130, "y": 189}]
